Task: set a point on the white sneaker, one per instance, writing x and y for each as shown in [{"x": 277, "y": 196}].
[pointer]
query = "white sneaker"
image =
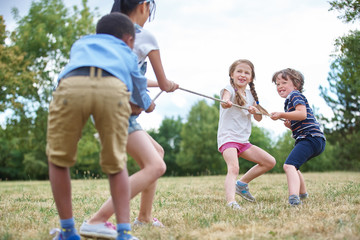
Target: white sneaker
[
  {"x": 155, "y": 223},
  {"x": 102, "y": 230},
  {"x": 234, "y": 205}
]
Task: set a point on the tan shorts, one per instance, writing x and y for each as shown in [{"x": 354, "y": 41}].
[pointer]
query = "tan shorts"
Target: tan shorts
[{"x": 78, "y": 97}]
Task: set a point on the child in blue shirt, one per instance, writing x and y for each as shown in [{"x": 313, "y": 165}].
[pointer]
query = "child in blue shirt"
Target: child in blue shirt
[
  {"x": 98, "y": 81},
  {"x": 299, "y": 117}
]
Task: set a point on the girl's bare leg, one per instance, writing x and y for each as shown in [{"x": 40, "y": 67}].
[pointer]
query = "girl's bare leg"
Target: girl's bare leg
[
  {"x": 264, "y": 160},
  {"x": 148, "y": 194},
  {"x": 140, "y": 146},
  {"x": 232, "y": 162}
]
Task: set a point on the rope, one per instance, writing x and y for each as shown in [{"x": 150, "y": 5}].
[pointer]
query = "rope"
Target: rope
[
  {"x": 157, "y": 96},
  {"x": 216, "y": 99}
]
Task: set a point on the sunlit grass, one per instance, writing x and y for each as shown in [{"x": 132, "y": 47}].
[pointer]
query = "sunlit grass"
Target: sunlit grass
[{"x": 195, "y": 208}]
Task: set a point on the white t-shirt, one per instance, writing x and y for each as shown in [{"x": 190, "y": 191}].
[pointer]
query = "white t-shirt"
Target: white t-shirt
[
  {"x": 145, "y": 42},
  {"x": 234, "y": 123}
]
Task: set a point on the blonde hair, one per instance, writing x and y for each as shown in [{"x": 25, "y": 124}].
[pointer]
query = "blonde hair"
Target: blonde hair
[
  {"x": 295, "y": 76},
  {"x": 239, "y": 99}
]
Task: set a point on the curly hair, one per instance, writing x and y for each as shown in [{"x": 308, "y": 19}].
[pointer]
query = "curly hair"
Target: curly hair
[{"x": 291, "y": 74}]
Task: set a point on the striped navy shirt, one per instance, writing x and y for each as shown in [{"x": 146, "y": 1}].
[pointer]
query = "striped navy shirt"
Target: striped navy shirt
[{"x": 309, "y": 126}]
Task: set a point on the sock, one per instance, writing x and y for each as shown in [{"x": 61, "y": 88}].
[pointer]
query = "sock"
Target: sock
[
  {"x": 240, "y": 183},
  {"x": 68, "y": 227},
  {"x": 124, "y": 231}
]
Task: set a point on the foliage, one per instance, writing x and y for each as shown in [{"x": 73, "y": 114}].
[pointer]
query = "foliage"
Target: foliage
[
  {"x": 343, "y": 94},
  {"x": 39, "y": 48},
  {"x": 198, "y": 148},
  {"x": 168, "y": 136},
  {"x": 17, "y": 81},
  {"x": 351, "y": 9}
]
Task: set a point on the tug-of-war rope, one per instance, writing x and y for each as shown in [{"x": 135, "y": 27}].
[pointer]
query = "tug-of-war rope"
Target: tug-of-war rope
[{"x": 263, "y": 112}]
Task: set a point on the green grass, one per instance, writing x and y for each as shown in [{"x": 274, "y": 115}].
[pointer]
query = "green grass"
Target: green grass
[{"x": 194, "y": 208}]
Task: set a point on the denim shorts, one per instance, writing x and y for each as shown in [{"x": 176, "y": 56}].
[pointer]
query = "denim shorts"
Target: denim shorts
[
  {"x": 133, "y": 124},
  {"x": 304, "y": 150}
]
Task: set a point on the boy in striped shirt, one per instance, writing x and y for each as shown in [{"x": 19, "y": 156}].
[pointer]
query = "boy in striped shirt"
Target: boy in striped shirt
[{"x": 309, "y": 139}]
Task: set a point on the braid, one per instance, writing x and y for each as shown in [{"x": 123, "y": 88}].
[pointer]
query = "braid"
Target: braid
[
  {"x": 254, "y": 94},
  {"x": 239, "y": 99}
]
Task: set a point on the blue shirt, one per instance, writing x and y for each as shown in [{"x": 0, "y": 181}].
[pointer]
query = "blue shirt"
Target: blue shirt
[
  {"x": 309, "y": 126},
  {"x": 113, "y": 55}
]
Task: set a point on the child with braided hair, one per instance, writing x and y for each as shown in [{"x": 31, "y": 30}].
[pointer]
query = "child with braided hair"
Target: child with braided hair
[
  {"x": 234, "y": 131},
  {"x": 309, "y": 139}
]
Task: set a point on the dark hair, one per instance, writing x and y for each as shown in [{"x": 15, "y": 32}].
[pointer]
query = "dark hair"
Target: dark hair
[
  {"x": 127, "y": 6},
  {"x": 116, "y": 24},
  {"x": 291, "y": 74}
]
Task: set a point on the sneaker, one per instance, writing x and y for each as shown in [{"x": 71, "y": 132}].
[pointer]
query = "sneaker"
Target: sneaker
[
  {"x": 234, "y": 205},
  {"x": 102, "y": 230},
  {"x": 127, "y": 236},
  {"x": 58, "y": 235},
  {"x": 56, "y": 232},
  {"x": 294, "y": 200},
  {"x": 303, "y": 196},
  {"x": 243, "y": 191},
  {"x": 155, "y": 223}
]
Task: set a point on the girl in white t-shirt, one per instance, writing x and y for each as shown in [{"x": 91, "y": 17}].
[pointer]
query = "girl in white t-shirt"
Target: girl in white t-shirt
[
  {"x": 234, "y": 131},
  {"x": 141, "y": 146}
]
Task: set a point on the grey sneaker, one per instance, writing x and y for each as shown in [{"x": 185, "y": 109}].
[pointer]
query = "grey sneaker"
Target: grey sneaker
[
  {"x": 303, "y": 196},
  {"x": 103, "y": 230},
  {"x": 234, "y": 205},
  {"x": 294, "y": 200},
  {"x": 243, "y": 191}
]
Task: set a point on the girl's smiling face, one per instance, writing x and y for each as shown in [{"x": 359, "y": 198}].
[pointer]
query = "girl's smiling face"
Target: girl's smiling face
[
  {"x": 284, "y": 86},
  {"x": 242, "y": 75}
]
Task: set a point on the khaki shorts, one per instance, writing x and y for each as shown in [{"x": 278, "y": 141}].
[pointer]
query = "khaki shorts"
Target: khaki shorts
[{"x": 78, "y": 97}]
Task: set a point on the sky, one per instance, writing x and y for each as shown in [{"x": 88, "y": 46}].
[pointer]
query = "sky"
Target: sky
[{"x": 200, "y": 39}]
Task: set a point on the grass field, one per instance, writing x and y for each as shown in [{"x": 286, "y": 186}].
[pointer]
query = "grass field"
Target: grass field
[{"x": 194, "y": 208}]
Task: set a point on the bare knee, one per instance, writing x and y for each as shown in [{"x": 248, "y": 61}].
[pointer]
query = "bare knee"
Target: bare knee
[
  {"x": 288, "y": 167},
  {"x": 161, "y": 168},
  {"x": 271, "y": 163},
  {"x": 160, "y": 150},
  {"x": 233, "y": 170},
  {"x": 157, "y": 168},
  {"x": 268, "y": 163}
]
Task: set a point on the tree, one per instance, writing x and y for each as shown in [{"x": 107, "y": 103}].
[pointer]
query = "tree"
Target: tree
[
  {"x": 351, "y": 9},
  {"x": 17, "y": 81},
  {"x": 343, "y": 94},
  {"x": 38, "y": 51},
  {"x": 198, "y": 148},
  {"x": 168, "y": 136}
]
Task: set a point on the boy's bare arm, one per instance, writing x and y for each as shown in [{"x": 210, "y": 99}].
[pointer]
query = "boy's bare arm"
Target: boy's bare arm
[{"x": 299, "y": 114}]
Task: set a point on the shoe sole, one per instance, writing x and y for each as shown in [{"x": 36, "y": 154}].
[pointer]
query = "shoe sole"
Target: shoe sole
[
  {"x": 95, "y": 236},
  {"x": 238, "y": 192}
]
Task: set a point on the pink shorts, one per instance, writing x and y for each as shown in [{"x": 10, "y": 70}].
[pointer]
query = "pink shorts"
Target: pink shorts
[{"x": 240, "y": 147}]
